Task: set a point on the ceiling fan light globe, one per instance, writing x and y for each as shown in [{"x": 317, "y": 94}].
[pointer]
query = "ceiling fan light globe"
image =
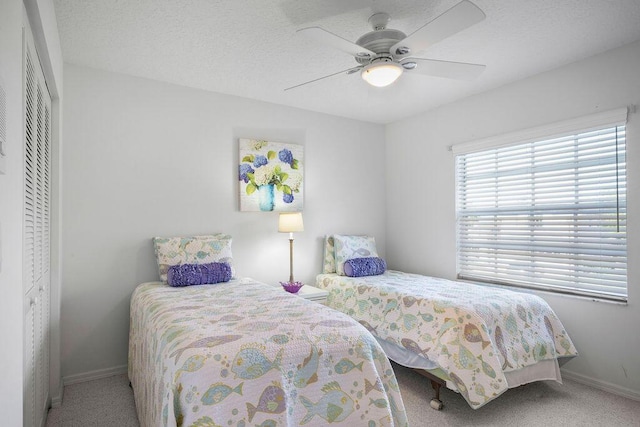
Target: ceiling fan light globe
[{"x": 381, "y": 74}]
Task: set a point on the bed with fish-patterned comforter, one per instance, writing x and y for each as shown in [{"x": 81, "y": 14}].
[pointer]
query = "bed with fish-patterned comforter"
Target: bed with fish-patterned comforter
[
  {"x": 482, "y": 340},
  {"x": 244, "y": 353}
]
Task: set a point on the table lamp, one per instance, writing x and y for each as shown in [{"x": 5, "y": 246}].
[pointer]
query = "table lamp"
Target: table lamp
[{"x": 290, "y": 222}]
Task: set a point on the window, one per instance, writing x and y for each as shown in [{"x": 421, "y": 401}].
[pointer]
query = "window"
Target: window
[{"x": 549, "y": 213}]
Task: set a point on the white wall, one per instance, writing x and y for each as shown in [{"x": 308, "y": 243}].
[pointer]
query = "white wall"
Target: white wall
[
  {"x": 421, "y": 195},
  {"x": 145, "y": 159}
]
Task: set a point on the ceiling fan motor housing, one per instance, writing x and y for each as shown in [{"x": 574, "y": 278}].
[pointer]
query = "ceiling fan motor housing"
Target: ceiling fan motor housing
[{"x": 379, "y": 41}]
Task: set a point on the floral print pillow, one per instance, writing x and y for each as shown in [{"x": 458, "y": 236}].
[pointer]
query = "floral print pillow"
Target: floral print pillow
[
  {"x": 172, "y": 251},
  {"x": 349, "y": 247},
  {"x": 329, "y": 260}
]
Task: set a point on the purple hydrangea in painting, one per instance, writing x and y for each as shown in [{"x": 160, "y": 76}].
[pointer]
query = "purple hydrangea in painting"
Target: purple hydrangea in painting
[
  {"x": 287, "y": 198},
  {"x": 260, "y": 161},
  {"x": 285, "y": 156},
  {"x": 244, "y": 170}
]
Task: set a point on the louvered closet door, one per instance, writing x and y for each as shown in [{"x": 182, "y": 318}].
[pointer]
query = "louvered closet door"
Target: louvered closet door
[{"x": 37, "y": 185}]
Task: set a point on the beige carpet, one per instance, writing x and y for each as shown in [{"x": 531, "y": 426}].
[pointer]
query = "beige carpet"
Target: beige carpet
[{"x": 109, "y": 402}]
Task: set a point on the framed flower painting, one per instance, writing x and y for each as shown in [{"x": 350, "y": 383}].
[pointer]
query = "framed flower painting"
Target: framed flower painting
[{"x": 271, "y": 176}]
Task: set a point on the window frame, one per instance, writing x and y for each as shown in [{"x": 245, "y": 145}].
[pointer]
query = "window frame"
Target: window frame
[{"x": 540, "y": 135}]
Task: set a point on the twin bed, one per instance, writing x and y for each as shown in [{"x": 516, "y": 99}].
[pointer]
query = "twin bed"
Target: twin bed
[
  {"x": 244, "y": 353},
  {"x": 477, "y": 340}
]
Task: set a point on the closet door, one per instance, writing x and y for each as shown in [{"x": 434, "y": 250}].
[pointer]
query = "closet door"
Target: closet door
[{"x": 37, "y": 184}]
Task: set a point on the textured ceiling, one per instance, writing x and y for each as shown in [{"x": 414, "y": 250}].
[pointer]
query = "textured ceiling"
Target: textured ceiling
[{"x": 250, "y": 48}]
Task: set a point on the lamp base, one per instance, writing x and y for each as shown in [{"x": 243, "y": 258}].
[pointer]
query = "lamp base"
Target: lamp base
[{"x": 292, "y": 287}]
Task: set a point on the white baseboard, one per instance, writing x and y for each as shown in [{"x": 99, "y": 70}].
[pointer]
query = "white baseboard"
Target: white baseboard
[
  {"x": 94, "y": 375},
  {"x": 602, "y": 385},
  {"x": 56, "y": 399}
]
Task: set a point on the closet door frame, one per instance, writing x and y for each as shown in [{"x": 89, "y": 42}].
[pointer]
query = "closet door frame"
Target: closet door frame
[
  {"x": 40, "y": 16},
  {"x": 36, "y": 233}
]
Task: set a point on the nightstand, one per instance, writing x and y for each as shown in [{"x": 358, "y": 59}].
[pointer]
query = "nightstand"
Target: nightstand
[{"x": 313, "y": 294}]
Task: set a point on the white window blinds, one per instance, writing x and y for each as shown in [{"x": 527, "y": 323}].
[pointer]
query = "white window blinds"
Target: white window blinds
[{"x": 546, "y": 214}]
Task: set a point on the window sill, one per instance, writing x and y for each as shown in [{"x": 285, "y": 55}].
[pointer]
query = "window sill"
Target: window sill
[{"x": 542, "y": 291}]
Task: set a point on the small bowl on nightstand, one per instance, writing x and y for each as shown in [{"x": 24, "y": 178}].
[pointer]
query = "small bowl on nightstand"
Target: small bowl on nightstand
[{"x": 292, "y": 287}]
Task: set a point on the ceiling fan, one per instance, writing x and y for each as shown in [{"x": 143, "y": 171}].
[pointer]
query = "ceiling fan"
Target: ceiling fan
[{"x": 384, "y": 54}]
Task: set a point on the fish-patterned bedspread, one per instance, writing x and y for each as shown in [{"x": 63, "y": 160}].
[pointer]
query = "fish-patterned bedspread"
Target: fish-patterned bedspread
[
  {"x": 473, "y": 333},
  {"x": 244, "y": 353}
]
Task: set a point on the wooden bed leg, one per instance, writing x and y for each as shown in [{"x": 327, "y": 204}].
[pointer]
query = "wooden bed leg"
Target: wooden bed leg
[{"x": 436, "y": 383}]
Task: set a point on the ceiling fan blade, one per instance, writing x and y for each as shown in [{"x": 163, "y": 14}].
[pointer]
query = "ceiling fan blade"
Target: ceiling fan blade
[
  {"x": 459, "y": 17},
  {"x": 447, "y": 69},
  {"x": 347, "y": 71},
  {"x": 327, "y": 38}
]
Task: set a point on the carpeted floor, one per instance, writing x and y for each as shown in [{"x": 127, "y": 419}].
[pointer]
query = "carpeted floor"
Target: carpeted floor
[{"x": 109, "y": 402}]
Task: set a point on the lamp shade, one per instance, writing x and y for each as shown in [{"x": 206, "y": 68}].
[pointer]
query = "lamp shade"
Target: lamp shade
[
  {"x": 381, "y": 74},
  {"x": 290, "y": 222}
]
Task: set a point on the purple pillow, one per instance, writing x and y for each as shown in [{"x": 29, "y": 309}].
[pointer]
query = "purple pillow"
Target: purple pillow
[
  {"x": 198, "y": 274},
  {"x": 358, "y": 267}
]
